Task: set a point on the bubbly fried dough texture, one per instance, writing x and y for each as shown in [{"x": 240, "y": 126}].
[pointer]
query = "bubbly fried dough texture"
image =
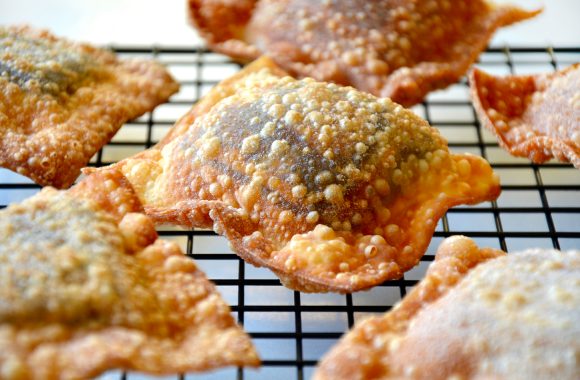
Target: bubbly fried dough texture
[
  {"x": 84, "y": 290},
  {"x": 60, "y": 102},
  {"x": 399, "y": 49},
  {"x": 331, "y": 188},
  {"x": 478, "y": 314},
  {"x": 534, "y": 116}
]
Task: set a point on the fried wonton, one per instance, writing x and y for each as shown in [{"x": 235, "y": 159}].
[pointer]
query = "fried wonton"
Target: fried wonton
[
  {"x": 534, "y": 116},
  {"x": 60, "y": 102},
  {"x": 399, "y": 49},
  {"x": 86, "y": 286},
  {"x": 478, "y": 314},
  {"x": 331, "y": 188}
]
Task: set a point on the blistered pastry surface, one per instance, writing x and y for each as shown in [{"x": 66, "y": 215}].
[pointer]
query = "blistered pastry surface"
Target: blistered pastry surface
[
  {"x": 534, "y": 116},
  {"x": 392, "y": 48},
  {"x": 60, "y": 102},
  {"x": 331, "y": 188},
  {"x": 83, "y": 290},
  {"x": 476, "y": 314}
]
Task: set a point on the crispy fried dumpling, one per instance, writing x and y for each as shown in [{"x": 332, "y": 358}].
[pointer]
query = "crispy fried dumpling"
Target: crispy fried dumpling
[
  {"x": 399, "y": 49},
  {"x": 331, "y": 188},
  {"x": 60, "y": 102},
  {"x": 86, "y": 286},
  {"x": 534, "y": 116},
  {"x": 478, "y": 314}
]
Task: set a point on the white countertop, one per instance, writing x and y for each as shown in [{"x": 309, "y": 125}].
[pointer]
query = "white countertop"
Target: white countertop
[{"x": 146, "y": 22}]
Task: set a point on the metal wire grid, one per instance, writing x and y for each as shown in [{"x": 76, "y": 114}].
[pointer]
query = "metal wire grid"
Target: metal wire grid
[{"x": 539, "y": 206}]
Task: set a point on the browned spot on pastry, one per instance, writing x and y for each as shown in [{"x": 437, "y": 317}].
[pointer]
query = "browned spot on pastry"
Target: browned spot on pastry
[
  {"x": 60, "y": 102},
  {"x": 399, "y": 49},
  {"x": 534, "y": 116},
  {"x": 477, "y": 314},
  {"x": 83, "y": 291},
  {"x": 331, "y": 188}
]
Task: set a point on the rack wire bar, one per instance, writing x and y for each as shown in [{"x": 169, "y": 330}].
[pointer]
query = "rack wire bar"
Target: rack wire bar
[{"x": 539, "y": 207}]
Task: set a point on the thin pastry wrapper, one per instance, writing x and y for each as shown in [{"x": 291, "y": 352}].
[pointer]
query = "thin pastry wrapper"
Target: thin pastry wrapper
[
  {"x": 477, "y": 314},
  {"x": 60, "y": 102},
  {"x": 331, "y": 188},
  {"x": 533, "y": 116},
  {"x": 85, "y": 286},
  {"x": 391, "y": 48}
]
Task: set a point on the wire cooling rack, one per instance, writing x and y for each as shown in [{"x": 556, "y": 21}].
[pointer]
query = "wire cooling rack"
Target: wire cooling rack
[{"x": 539, "y": 207}]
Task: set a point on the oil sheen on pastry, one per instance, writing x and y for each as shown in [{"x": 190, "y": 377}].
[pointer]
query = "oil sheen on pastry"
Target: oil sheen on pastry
[
  {"x": 331, "y": 188},
  {"x": 478, "y": 314},
  {"x": 400, "y": 49},
  {"x": 534, "y": 116},
  {"x": 60, "y": 102},
  {"x": 86, "y": 286}
]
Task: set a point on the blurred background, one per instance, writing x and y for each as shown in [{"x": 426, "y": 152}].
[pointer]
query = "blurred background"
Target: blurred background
[{"x": 146, "y": 22}]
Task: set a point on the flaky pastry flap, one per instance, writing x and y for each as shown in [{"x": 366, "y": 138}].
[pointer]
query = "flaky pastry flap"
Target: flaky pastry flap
[
  {"x": 477, "y": 314},
  {"x": 400, "y": 49},
  {"x": 110, "y": 191},
  {"x": 534, "y": 116},
  {"x": 331, "y": 188},
  {"x": 60, "y": 101},
  {"x": 83, "y": 290}
]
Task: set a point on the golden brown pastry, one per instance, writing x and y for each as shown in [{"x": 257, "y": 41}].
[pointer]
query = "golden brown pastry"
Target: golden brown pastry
[
  {"x": 86, "y": 286},
  {"x": 399, "y": 49},
  {"x": 534, "y": 116},
  {"x": 60, "y": 102},
  {"x": 331, "y": 188},
  {"x": 478, "y": 314}
]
